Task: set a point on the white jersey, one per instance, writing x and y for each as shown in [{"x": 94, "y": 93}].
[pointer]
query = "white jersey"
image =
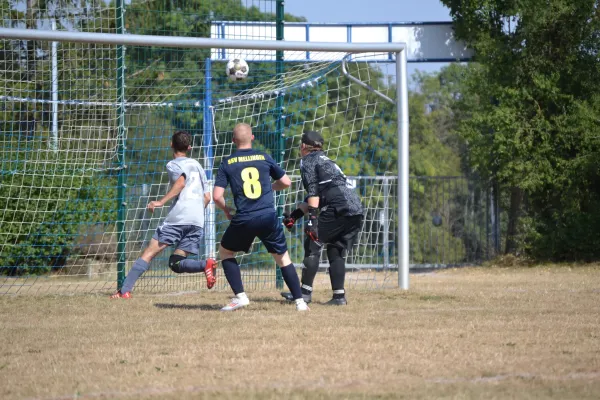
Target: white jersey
[{"x": 188, "y": 207}]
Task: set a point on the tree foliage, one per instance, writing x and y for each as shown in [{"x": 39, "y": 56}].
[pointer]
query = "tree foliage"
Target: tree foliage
[
  {"x": 531, "y": 117},
  {"x": 49, "y": 205}
]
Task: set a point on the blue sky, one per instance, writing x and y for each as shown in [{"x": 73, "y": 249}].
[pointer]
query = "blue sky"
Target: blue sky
[
  {"x": 372, "y": 11},
  {"x": 368, "y": 10}
]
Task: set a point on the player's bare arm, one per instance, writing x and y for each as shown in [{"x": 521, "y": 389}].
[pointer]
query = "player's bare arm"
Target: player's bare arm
[
  {"x": 206, "y": 199},
  {"x": 171, "y": 194},
  {"x": 282, "y": 184},
  {"x": 219, "y": 199}
]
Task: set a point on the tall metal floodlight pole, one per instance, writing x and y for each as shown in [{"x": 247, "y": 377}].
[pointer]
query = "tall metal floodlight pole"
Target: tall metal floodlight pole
[{"x": 399, "y": 49}]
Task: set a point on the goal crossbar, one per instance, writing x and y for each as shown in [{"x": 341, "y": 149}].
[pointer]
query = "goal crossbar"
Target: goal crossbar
[{"x": 199, "y": 43}]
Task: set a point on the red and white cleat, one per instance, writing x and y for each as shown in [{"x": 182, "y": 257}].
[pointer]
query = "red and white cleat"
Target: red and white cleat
[
  {"x": 211, "y": 272},
  {"x": 119, "y": 295}
]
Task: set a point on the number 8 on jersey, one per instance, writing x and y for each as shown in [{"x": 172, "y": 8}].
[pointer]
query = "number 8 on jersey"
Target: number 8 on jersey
[{"x": 252, "y": 186}]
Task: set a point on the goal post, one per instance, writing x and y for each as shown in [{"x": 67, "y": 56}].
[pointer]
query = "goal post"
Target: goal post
[
  {"x": 320, "y": 93},
  {"x": 403, "y": 184}
]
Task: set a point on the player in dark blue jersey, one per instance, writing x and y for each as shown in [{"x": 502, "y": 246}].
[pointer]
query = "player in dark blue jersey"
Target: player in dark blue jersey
[{"x": 249, "y": 173}]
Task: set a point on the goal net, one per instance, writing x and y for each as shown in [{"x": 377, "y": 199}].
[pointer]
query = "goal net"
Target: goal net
[
  {"x": 360, "y": 135},
  {"x": 85, "y": 140}
]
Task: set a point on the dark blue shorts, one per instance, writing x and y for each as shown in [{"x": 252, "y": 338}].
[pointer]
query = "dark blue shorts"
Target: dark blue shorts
[
  {"x": 241, "y": 233},
  {"x": 187, "y": 237}
]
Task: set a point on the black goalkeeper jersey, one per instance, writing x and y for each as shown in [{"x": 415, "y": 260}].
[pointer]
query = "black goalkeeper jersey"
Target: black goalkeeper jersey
[{"x": 322, "y": 178}]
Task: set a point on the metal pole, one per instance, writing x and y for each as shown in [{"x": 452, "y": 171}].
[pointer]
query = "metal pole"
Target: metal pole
[
  {"x": 403, "y": 214},
  {"x": 487, "y": 204},
  {"x": 54, "y": 56},
  {"x": 280, "y": 146},
  {"x": 210, "y": 243},
  {"x": 495, "y": 217},
  {"x": 121, "y": 135},
  {"x": 386, "y": 224},
  {"x": 194, "y": 42}
]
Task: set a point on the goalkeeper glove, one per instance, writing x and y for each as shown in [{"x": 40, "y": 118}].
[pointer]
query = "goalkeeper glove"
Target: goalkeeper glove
[
  {"x": 290, "y": 219},
  {"x": 312, "y": 226}
]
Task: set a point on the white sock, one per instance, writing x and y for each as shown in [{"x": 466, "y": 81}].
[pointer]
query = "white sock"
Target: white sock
[
  {"x": 299, "y": 301},
  {"x": 241, "y": 295}
]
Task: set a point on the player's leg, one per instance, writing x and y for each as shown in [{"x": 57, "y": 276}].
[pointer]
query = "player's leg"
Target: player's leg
[
  {"x": 328, "y": 227},
  {"x": 190, "y": 244},
  {"x": 208, "y": 266},
  {"x": 273, "y": 238},
  {"x": 234, "y": 278},
  {"x": 312, "y": 255},
  {"x": 176, "y": 261},
  {"x": 331, "y": 229},
  {"x": 237, "y": 237},
  {"x": 140, "y": 266},
  {"x": 337, "y": 249},
  {"x": 290, "y": 276},
  {"x": 337, "y": 274}
]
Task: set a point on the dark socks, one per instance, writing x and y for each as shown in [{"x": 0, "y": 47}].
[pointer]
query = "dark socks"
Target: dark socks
[
  {"x": 233, "y": 275},
  {"x": 337, "y": 271},
  {"x": 311, "y": 267},
  {"x": 291, "y": 280}
]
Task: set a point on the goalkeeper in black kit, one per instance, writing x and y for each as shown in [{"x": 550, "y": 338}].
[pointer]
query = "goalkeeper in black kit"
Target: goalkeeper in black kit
[{"x": 334, "y": 217}]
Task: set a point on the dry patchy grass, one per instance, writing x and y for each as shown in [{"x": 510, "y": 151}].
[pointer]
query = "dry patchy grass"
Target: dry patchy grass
[{"x": 467, "y": 333}]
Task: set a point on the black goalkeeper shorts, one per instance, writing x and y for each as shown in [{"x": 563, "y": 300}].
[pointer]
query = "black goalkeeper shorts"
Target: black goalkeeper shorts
[{"x": 338, "y": 231}]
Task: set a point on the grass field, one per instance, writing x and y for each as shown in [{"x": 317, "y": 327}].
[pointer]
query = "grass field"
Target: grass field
[{"x": 466, "y": 333}]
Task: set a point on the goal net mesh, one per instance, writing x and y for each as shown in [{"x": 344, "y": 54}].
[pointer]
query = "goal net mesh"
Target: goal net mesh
[{"x": 86, "y": 132}]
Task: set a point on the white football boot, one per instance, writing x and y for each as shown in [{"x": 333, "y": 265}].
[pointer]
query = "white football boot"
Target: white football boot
[
  {"x": 301, "y": 305},
  {"x": 239, "y": 301}
]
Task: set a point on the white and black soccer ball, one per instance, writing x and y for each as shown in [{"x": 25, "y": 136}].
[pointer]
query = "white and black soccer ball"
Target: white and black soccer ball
[{"x": 237, "y": 69}]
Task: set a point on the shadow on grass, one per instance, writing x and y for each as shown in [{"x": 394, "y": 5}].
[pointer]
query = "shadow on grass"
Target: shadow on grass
[
  {"x": 279, "y": 300},
  {"x": 203, "y": 307},
  {"x": 216, "y": 307}
]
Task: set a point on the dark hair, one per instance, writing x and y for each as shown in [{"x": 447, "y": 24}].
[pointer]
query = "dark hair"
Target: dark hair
[
  {"x": 181, "y": 140},
  {"x": 313, "y": 140}
]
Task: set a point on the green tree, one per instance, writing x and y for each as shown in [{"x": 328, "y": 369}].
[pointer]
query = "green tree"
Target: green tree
[
  {"x": 532, "y": 119},
  {"x": 51, "y": 196}
]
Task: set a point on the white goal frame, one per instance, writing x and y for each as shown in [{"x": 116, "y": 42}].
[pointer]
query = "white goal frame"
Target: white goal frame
[{"x": 398, "y": 49}]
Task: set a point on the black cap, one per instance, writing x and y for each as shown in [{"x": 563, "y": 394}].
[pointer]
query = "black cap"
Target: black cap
[{"x": 312, "y": 138}]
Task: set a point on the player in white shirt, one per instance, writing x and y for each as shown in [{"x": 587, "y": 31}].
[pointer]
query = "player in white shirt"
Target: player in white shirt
[{"x": 184, "y": 225}]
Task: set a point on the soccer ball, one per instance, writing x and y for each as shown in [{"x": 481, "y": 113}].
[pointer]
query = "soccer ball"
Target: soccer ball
[{"x": 237, "y": 69}]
